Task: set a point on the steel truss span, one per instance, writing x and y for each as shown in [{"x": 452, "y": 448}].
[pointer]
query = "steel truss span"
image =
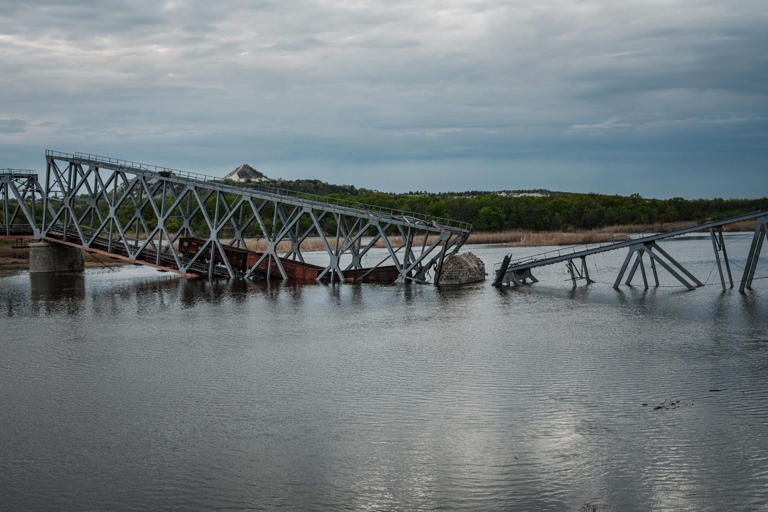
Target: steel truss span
[
  {"x": 195, "y": 224},
  {"x": 519, "y": 272},
  {"x": 21, "y": 200}
]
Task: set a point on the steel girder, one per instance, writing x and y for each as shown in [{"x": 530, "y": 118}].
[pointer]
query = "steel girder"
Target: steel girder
[
  {"x": 20, "y": 195},
  {"x": 140, "y": 212}
]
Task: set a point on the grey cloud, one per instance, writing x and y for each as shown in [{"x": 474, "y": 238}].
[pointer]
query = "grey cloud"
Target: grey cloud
[
  {"x": 12, "y": 126},
  {"x": 76, "y": 20},
  {"x": 394, "y": 82},
  {"x": 302, "y": 44}
]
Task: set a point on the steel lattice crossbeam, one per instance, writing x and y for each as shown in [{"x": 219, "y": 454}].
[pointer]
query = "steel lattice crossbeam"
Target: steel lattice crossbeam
[
  {"x": 20, "y": 195},
  {"x": 196, "y": 224}
]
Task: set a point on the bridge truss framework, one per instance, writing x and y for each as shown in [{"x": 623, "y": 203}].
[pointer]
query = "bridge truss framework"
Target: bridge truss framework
[
  {"x": 21, "y": 197},
  {"x": 140, "y": 212},
  {"x": 520, "y": 272}
]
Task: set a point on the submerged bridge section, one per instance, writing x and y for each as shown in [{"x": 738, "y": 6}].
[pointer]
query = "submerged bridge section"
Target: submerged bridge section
[
  {"x": 520, "y": 272},
  {"x": 194, "y": 224}
]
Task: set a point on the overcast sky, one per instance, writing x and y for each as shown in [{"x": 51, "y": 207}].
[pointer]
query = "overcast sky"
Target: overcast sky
[{"x": 663, "y": 98}]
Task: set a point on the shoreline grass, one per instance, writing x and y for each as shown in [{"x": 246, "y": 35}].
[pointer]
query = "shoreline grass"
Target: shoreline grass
[{"x": 522, "y": 238}]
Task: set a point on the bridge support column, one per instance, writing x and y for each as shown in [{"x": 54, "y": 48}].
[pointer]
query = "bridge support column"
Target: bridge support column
[
  {"x": 578, "y": 272},
  {"x": 761, "y": 232},
  {"x": 48, "y": 257},
  {"x": 501, "y": 272},
  {"x": 651, "y": 248},
  {"x": 718, "y": 244}
]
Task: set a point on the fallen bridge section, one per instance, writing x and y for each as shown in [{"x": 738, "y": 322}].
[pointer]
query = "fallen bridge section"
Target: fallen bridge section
[
  {"x": 142, "y": 212},
  {"x": 520, "y": 272}
]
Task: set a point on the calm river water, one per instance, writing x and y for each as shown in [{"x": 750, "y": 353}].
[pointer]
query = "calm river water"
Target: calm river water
[{"x": 132, "y": 390}]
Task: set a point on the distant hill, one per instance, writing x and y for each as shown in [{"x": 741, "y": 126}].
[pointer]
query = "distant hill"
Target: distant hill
[{"x": 246, "y": 174}]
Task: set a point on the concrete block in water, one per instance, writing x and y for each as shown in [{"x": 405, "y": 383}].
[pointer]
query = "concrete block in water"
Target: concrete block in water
[{"x": 462, "y": 268}]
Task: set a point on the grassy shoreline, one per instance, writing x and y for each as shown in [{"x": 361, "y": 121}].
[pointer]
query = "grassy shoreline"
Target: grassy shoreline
[{"x": 521, "y": 238}]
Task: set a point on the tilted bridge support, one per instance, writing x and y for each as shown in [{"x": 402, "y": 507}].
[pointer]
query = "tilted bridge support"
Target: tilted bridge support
[
  {"x": 761, "y": 232},
  {"x": 195, "y": 224},
  {"x": 656, "y": 255}
]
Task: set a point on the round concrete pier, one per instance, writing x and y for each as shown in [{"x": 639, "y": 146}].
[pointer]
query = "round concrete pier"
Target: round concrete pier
[{"x": 48, "y": 257}]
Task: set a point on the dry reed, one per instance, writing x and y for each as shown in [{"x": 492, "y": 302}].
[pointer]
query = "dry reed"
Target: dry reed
[
  {"x": 747, "y": 225},
  {"x": 541, "y": 238},
  {"x": 597, "y": 236}
]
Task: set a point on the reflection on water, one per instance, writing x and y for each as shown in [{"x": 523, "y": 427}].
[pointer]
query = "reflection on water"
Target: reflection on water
[
  {"x": 57, "y": 287},
  {"x": 136, "y": 390}
]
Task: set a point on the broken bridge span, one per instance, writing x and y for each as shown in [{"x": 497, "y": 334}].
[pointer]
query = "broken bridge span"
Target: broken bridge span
[
  {"x": 194, "y": 224},
  {"x": 520, "y": 272}
]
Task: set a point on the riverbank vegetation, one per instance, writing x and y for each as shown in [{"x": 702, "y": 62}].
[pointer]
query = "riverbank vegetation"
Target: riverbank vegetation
[
  {"x": 538, "y": 210},
  {"x": 494, "y": 212}
]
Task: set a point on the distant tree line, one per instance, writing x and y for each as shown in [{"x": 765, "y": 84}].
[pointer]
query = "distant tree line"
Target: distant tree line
[
  {"x": 537, "y": 210},
  {"x": 562, "y": 212}
]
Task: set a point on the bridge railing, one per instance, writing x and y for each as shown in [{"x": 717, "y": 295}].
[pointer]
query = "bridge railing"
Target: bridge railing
[
  {"x": 413, "y": 217},
  {"x": 18, "y": 172},
  {"x": 561, "y": 251}
]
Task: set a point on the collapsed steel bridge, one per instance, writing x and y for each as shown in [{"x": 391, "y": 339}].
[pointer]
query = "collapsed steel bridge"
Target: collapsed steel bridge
[
  {"x": 140, "y": 212},
  {"x": 519, "y": 272}
]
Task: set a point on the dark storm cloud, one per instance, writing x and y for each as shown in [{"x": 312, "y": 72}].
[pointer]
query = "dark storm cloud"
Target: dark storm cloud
[{"x": 588, "y": 95}]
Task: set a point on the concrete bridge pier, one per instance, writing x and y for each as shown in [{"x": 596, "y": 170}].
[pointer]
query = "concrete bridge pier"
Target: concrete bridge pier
[{"x": 48, "y": 257}]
